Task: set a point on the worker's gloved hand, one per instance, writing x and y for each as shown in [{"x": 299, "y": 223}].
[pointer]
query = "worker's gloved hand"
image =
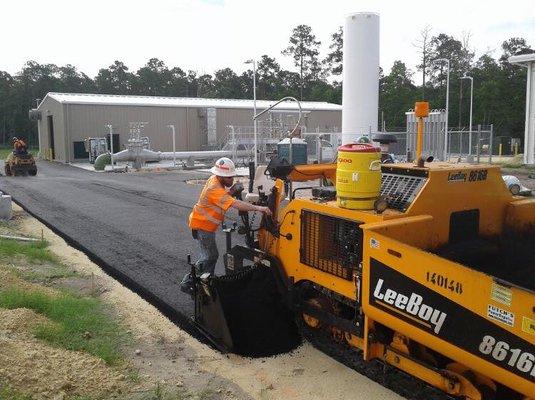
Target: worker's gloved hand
[
  {"x": 236, "y": 189},
  {"x": 265, "y": 210}
]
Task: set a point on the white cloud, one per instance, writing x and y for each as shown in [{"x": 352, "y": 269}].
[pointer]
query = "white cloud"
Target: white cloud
[{"x": 206, "y": 35}]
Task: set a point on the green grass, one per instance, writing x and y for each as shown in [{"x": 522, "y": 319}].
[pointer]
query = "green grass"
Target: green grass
[
  {"x": 46, "y": 275},
  {"x": 3, "y": 154},
  {"x": 4, "y": 151},
  {"x": 34, "y": 251},
  {"x": 73, "y": 317},
  {"x": 8, "y": 393}
]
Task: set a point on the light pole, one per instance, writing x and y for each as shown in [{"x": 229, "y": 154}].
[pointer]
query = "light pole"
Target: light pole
[
  {"x": 471, "y": 104},
  {"x": 110, "y": 128},
  {"x": 437, "y": 60},
  {"x": 255, "y": 138},
  {"x": 172, "y": 127}
]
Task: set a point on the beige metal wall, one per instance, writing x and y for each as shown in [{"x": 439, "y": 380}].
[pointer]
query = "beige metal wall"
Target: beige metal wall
[
  {"x": 232, "y": 116},
  {"x": 323, "y": 120},
  {"x": 75, "y": 122},
  {"x": 91, "y": 121},
  {"x": 50, "y": 107}
]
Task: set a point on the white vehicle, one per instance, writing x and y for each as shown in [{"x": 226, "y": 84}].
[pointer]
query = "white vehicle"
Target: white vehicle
[{"x": 515, "y": 186}]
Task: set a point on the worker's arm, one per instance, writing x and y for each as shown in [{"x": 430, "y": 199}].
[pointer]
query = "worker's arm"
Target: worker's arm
[{"x": 243, "y": 206}]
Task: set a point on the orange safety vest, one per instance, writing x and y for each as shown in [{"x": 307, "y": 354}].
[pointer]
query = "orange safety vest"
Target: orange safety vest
[
  {"x": 19, "y": 144},
  {"x": 210, "y": 210}
]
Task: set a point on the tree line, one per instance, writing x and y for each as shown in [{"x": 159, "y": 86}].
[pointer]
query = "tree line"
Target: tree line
[{"x": 499, "y": 87}]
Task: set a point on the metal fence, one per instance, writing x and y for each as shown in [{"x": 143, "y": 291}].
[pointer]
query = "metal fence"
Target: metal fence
[
  {"x": 320, "y": 145},
  {"x": 463, "y": 145},
  {"x": 434, "y": 139},
  {"x": 475, "y": 144}
]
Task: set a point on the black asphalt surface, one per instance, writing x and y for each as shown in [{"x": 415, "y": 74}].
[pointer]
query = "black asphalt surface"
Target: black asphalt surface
[{"x": 133, "y": 225}]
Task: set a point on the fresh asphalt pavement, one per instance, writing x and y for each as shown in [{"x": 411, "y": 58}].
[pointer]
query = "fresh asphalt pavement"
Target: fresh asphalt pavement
[{"x": 134, "y": 225}]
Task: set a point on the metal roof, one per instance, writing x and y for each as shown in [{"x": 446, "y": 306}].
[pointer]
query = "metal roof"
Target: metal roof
[
  {"x": 522, "y": 58},
  {"x": 155, "y": 101}
]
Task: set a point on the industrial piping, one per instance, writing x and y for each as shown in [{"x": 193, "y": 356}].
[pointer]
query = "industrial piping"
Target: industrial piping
[{"x": 145, "y": 155}]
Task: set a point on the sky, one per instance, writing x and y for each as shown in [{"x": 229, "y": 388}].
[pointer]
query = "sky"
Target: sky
[{"x": 207, "y": 35}]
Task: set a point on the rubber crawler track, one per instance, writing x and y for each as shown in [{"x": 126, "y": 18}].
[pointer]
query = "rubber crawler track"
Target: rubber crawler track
[{"x": 387, "y": 376}]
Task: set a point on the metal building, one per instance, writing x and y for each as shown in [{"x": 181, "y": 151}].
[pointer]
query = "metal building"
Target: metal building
[
  {"x": 66, "y": 119},
  {"x": 528, "y": 61}
]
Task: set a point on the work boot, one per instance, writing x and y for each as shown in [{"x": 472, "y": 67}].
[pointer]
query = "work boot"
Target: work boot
[{"x": 186, "y": 285}]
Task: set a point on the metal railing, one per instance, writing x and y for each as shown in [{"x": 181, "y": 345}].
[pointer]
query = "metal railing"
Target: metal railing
[
  {"x": 474, "y": 146},
  {"x": 479, "y": 146},
  {"x": 321, "y": 145},
  {"x": 462, "y": 144}
]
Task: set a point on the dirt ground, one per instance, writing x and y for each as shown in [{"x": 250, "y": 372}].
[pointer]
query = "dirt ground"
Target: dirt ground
[
  {"x": 164, "y": 356},
  {"x": 33, "y": 366}
]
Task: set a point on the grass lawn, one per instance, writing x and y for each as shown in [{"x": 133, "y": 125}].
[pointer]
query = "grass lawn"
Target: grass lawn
[
  {"x": 33, "y": 251},
  {"x": 8, "y": 393},
  {"x": 81, "y": 323},
  {"x": 4, "y": 151}
]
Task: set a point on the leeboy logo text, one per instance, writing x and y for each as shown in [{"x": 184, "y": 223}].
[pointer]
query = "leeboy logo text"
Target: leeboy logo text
[
  {"x": 457, "y": 177},
  {"x": 411, "y": 306}
]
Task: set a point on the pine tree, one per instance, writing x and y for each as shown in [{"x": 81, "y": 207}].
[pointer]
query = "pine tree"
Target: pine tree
[
  {"x": 334, "y": 59},
  {"x": 304, "y": 49}
]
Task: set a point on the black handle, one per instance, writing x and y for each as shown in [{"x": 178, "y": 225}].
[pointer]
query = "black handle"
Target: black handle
[{"x": 252, "y": 170}]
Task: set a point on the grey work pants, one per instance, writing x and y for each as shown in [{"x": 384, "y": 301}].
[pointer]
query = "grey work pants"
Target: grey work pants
[{"x": 208, "y": 255}]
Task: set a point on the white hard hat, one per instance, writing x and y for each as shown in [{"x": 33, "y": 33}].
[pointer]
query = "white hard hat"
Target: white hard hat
[{"x": 224, "y": 167}]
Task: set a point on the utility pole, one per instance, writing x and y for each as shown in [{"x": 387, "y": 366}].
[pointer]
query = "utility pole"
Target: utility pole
[
  {"x": 471, "y": 108},
  {"x": 447, "y": 103},
  {"x": 255, "y": 134}
]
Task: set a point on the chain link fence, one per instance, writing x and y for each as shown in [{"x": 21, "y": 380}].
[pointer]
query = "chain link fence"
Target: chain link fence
[{"x": 475, "y": 146}]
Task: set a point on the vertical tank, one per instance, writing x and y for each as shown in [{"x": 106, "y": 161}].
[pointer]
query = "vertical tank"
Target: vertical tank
[{"x": 360, "y": 96}]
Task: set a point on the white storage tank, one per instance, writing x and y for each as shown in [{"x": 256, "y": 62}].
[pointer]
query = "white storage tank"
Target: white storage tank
[{"x": 360, "y": 96}]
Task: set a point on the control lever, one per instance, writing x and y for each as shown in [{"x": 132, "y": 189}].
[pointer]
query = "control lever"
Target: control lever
[
  {"x": 192, "y": 266},
  {"x": 228, "y": 234}
]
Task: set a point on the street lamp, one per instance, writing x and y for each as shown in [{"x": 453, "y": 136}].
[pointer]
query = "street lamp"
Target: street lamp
[
  {"x": 437, "y": 60},
  {"x": 172, "y": 127},
  {"x": 255, "y": 138},
  {"x": 471, "y": 103}
]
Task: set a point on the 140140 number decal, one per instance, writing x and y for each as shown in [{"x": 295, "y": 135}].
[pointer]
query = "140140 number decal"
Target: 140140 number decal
[
  {"x": 501, "y": 351},
  {"x": 444, "y": 282}
]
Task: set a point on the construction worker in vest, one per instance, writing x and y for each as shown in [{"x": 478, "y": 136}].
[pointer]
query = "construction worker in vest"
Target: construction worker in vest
[
  {"x": 208, "y": 214},
  {"x": 19, "y": 146}
]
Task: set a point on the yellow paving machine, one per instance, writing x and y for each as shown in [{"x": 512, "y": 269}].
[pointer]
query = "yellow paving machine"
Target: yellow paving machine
[{"x": 427, "y": 268}]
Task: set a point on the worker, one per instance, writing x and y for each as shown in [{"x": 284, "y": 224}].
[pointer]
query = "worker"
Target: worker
[
  {"x": 208, "y": 214},
  {"x": 19, "y": 146}
]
